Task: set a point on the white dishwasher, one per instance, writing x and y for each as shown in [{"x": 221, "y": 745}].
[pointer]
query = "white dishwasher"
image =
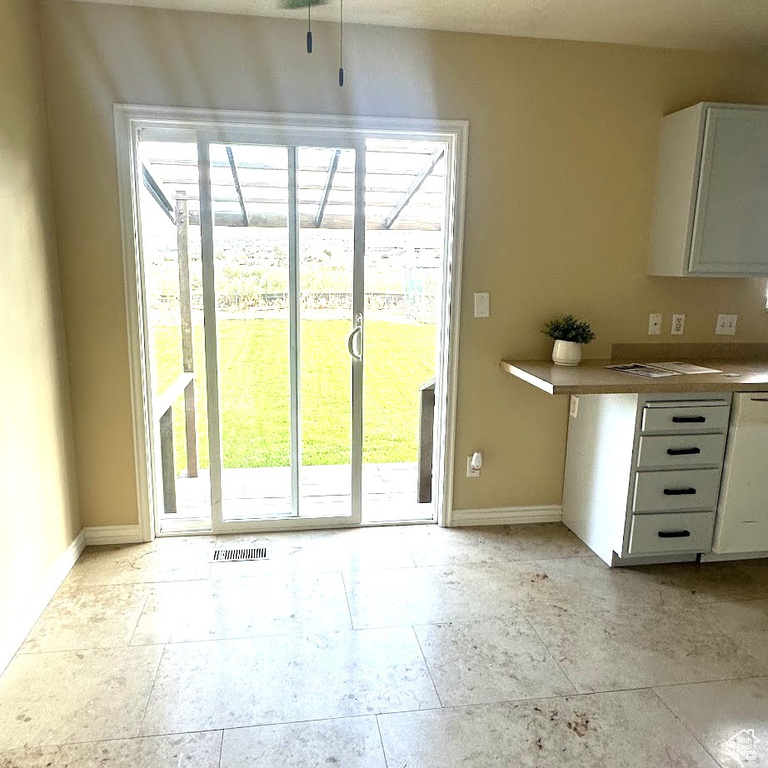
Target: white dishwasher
[{"x": 742, "y": 515}]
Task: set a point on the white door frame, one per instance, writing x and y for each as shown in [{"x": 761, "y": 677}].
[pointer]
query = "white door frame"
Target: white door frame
[{"x": 131, "y": 119}]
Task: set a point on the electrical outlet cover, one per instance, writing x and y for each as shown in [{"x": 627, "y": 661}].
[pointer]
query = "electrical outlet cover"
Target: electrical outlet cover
[
  {"x": 654, "y": 324},
  {"x": 726, "y": 325},
  {"x": 678, "y": 325}
]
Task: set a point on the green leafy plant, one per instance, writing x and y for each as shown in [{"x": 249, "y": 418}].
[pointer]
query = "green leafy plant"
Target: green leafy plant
[{"x": 568, "y": 328}]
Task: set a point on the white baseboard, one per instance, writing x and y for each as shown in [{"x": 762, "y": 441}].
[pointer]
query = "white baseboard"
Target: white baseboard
[
  {"x": 112, "y": 534},
  {"x": 507, "y": 515},
  {"x": 35, "y": 604}
]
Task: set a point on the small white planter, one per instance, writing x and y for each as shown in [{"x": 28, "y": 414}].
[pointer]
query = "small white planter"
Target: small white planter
[{"x": 566, "y": 353}]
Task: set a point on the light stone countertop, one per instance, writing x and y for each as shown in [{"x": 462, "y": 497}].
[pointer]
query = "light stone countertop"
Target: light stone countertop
[{"x": 592, "y": 377}]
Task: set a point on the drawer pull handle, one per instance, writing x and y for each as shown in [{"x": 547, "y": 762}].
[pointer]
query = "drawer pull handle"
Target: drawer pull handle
[
  {"x": 683, "y": 451},
  {"x": 679, "y": 491},
  {"x": 674, "y": 534},
  {"x": 689, "y": 419}
]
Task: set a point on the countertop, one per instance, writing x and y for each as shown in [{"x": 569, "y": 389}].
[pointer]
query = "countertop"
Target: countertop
[{"x": 592, "y": 377}]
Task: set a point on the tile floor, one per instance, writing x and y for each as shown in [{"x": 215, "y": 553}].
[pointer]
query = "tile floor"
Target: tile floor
[{"x": 411, "y": 647}]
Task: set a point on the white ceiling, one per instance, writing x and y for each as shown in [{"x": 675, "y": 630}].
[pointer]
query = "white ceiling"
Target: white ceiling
[{"x": 661, "y": 23}]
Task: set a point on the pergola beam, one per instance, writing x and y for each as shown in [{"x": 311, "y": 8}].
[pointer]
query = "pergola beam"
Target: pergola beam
[
  {"x": 157, "y": 193},
  {"x": 334, "y": 164},
  {"x": 415, "y": 186},
  {"x": 238, "y": 188}
]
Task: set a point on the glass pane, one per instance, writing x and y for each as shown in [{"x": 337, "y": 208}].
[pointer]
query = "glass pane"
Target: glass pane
[
  {"x": 405, "y": 193},
  {"x": 326, "y": 249},
  {"x": 250, "y": 237},
  {"x": 170, "y": 244}
]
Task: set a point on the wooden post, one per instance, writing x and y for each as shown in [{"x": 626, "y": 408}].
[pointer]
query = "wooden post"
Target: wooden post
[
  {"x": 426, "y": 442},
  {"x": 167, "y": 462},
  {"x": 187, "y": 351}
]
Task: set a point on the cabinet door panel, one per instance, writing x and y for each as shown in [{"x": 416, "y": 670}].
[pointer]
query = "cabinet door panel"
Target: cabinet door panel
[
  {"x": 730, "y": 231},
  {"x": 742, "y": 523}
]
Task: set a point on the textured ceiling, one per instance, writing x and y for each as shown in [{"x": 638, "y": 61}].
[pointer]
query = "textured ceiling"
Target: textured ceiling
[{"x": 729, "y": 24}]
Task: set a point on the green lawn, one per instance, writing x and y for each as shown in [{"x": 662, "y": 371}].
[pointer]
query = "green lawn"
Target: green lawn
[{"x": 254, "y": 390}]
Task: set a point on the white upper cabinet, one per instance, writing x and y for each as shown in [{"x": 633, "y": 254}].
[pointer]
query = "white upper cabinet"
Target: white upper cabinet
[{"x": 710, "y": 213}]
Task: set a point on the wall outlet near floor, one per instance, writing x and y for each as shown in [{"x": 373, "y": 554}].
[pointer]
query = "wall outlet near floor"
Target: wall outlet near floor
[
  {"x": 678, "y": 325},
  {"x": 726, "y": 325},
  {"x": 654, "y": 324},
  {"x": 574, "y": 407},
  {"x": 474, "y": 464}
]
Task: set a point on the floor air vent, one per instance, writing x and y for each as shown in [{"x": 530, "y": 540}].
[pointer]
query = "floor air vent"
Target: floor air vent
[{"x": 238, "y": 554}]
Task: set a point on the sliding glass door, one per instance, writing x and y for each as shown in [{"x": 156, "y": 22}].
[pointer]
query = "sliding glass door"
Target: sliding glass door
[
  {"x": 277, "y": 259},
  {"x": 282, "y": 288}
]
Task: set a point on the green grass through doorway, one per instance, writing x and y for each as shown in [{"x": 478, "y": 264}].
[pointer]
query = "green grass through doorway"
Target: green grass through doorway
[{"x": 254, "y": 390}]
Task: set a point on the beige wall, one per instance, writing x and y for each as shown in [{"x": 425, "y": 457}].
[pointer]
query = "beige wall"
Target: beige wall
[
  {"x": 38, "y": 515},
  {"x": 563, "y": 138}
]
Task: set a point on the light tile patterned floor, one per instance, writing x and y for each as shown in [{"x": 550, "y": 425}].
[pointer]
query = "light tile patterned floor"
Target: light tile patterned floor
[{"x": 412, "y": 647}]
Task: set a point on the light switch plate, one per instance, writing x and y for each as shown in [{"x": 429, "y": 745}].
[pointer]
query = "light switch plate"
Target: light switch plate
[
  {"x": 574, "y": 407},
  {"x": 726, "y": 325},
  {"x": 483, "y": 304},
  {"x": 654, "y": 324},
  {"x": 678, "y": 325}
]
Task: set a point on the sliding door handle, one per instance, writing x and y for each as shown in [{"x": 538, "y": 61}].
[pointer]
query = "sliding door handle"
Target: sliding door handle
[{"x": 357, "y": 332}]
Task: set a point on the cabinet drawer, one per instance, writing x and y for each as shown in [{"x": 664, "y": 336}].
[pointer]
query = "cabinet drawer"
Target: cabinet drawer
[
  {"x": 673, "y": 451},
  {"x": 701, "y": 417},
  {"x": 679, "y": 532},
  {"x": 676, "y": 490}
]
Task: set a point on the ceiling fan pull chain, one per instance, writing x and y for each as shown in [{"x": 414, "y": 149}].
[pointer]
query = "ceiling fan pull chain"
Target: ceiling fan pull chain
[
  {"x": 309, "y": 27},
  {"x": 341, "y": 43}
]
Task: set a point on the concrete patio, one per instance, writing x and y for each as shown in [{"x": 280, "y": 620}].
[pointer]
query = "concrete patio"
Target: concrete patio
[{"x": 389, "y": 493}]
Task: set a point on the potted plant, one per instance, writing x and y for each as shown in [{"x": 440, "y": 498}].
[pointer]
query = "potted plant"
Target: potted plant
[{"x": 569, "y": 335}]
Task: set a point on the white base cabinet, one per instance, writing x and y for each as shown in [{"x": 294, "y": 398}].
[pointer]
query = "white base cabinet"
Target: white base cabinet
[
  {"x": 642, "y": 475},
  {"x": 742, "y": 520}
]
